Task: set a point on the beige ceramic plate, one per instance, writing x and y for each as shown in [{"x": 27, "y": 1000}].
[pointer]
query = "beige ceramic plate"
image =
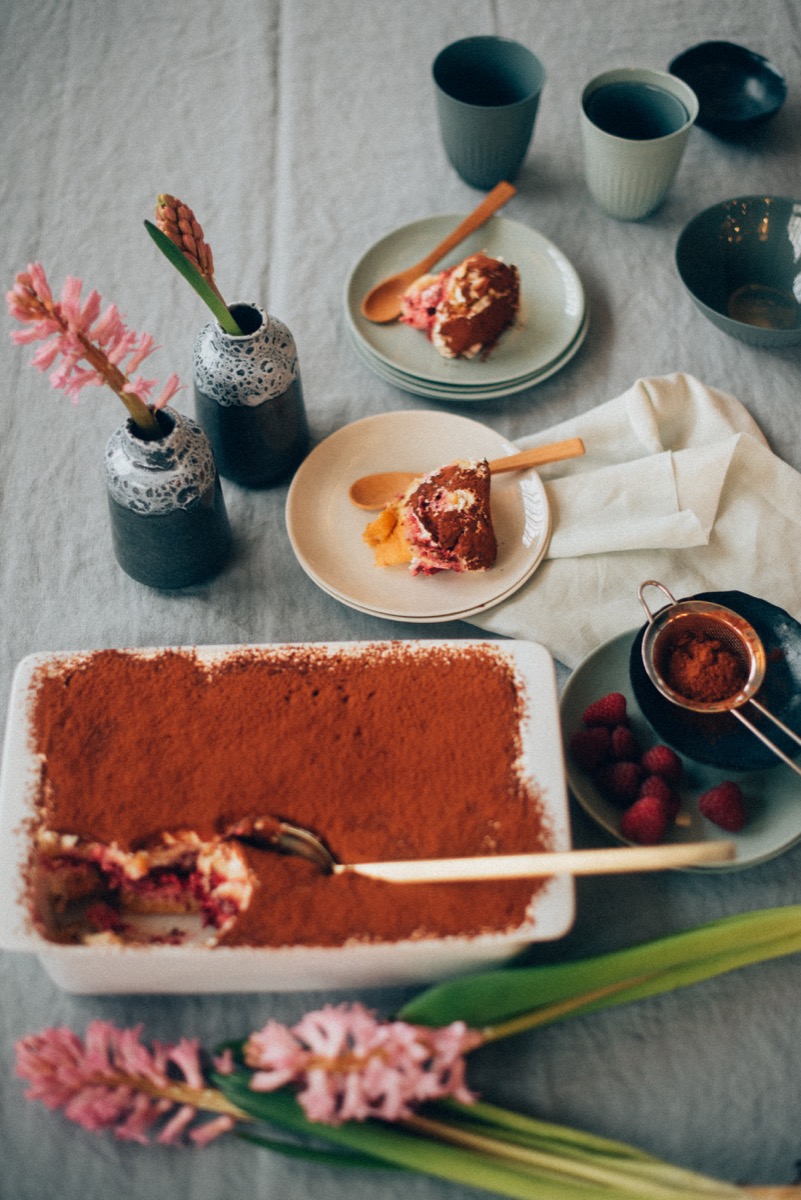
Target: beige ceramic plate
[{"x": 325, "y": 529}]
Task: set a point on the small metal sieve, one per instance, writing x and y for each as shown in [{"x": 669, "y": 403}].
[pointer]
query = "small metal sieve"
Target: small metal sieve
[{"x": 671, "y": 625}]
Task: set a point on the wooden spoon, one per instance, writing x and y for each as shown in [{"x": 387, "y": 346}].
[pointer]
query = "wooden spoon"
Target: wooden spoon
[
  {"x": 273, "y": 833},
  {"x": 375, "y": 491},
  {"x": 383, "y": 302}
]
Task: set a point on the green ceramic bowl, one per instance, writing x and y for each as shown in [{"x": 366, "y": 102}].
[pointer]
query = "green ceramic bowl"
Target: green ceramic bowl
[{"x": 739, "y": 260}]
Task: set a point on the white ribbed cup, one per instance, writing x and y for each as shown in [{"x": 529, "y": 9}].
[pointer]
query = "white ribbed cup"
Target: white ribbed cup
[{"x": 629, "y": 177}]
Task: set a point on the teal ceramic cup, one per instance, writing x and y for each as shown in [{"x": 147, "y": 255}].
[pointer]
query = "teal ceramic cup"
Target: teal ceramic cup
[
  {"x": 634, "y": 124},
  {"x": 488, "y": 91}
]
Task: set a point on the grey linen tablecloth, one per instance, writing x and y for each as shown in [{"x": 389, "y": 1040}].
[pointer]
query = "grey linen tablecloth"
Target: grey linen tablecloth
[{"x": 301, "y": 133}]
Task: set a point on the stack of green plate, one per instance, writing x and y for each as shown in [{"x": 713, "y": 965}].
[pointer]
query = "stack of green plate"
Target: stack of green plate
[{"x": 550, "y": 329}]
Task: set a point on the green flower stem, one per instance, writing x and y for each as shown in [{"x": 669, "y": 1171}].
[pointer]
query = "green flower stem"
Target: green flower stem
[
  {"x": 513, "y": 1125},
  {"x": 143, "y": 417},
  {"x": 620, "y": 1162},
  {"x": 504, "y": 1153},
  {"x": 401, "y": 1148},
  {"x": 397, "y": 1146},
  {"x": 641, "y": 1176},
  {"x": 190, "y": 273}
]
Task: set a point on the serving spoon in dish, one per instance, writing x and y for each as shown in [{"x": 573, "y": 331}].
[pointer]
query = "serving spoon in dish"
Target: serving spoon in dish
[
  {"x": 272, "y": 833},
  {"x": 382, "y": 303},
  {"x": 376, "y": 491}
]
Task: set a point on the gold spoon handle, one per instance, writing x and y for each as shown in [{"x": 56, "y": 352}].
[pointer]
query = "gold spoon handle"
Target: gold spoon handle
[
  {"x": 613, "y": 861},
  {"x": 492, "y": 202},
  {"x": 553, "y": 452}
]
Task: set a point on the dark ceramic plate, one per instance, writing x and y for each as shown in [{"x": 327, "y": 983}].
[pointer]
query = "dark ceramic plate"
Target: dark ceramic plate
[
  {"x": 736, "y": 88},
  {"x": 719, "y": 739}
]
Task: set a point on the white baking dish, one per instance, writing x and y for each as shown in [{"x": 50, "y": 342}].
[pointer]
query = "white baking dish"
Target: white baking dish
[{"x": 191, "y": 968}]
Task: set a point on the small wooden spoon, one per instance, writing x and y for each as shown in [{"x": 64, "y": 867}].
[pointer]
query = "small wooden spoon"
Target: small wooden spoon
[
  {"x": 383, "y": 302},
  {"x": 375, "y": 491}
]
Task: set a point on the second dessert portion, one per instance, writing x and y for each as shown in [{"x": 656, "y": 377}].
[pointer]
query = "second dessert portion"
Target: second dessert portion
[
  {"x": 464, "y": 310},
  {"x": 442, "y": 522}
]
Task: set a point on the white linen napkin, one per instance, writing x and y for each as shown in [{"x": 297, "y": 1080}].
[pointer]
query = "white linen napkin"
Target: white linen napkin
[{"x": 677, "y": 484}]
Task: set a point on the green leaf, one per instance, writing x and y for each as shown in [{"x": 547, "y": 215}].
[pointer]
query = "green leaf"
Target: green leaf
[
  {"x": 525, "y": 997},
  {"x": 327, "y": 1158},
  {"x": 182, "y": 263}
]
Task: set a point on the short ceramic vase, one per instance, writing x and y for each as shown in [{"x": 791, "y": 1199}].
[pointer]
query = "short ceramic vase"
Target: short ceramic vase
[
  {"x": 169, "y": 524},
  {"x": 249, "y": 398}
]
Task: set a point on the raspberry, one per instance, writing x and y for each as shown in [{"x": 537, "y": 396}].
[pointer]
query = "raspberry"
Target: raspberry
[
  {"x": 620, "y": 781},
  {"x": 645, "y": 822},
  {"x": 609, "y": 710},
  {"x": 661, "y": 760},
  {"x": 657, "y": 785},
  {"x": 725, "y": 806},
  {"x": 590, "y": 747},
  {"x": 624, "y": 743}
]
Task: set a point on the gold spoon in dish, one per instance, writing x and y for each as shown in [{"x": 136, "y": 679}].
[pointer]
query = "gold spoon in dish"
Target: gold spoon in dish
[
  {"x": 375, "y": 491},
  {"x": 271, "y": 833},
  {"x": 383, "y": 302}
]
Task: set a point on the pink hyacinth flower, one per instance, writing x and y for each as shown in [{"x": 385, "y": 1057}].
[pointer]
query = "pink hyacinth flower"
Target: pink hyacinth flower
[
  {"x": 112, "y": 1081},
  {"x": 76, "y": 331},
  {"x": 352, "y": 1066}
]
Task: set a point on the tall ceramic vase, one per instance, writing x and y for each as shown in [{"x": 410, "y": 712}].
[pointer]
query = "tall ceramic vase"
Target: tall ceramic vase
[
  {"x": 249, "y": 398},
  {"x": 169, "y": 524}
]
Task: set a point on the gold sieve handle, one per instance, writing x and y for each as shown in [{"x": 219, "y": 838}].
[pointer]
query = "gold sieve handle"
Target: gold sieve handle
[
  {"x": 653, "y": 583},
  {"x": 735, "y": 712}
]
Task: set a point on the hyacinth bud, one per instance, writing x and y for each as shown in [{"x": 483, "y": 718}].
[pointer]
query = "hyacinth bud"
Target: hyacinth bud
[{"x": 179, "y": 223}]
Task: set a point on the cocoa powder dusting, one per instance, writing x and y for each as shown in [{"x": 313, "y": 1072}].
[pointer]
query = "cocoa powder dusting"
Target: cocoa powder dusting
[
  {"x": 398, "y": 754},
  {"x": 701, "y": 668}
]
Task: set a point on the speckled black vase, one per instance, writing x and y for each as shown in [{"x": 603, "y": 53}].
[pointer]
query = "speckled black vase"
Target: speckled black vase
[
  {"x": 168, "y": 520},
  {"x": 249, "y": 399}
]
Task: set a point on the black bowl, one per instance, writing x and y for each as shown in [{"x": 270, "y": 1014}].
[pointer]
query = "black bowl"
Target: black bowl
[
  {"x": 719, "y": 739},
  {"x": 736, "y": 87}
]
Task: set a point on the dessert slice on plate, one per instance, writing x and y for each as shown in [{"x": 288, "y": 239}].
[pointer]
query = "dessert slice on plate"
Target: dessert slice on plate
[
  {"x": 464, "y": 310},
  {"x": 442, "y": 522}
]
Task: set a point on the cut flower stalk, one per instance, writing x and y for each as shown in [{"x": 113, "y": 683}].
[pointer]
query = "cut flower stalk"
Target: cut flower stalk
[
  {"x": 518, "y": 1156},
  {"x": 345, "y": 1057}
]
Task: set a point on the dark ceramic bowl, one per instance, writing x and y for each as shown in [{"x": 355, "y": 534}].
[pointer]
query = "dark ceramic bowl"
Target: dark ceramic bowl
[
  {"x": 719, "y": 739},
  {"x": 739, "y": 260},
  {"x": 736, "y": 88}
]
